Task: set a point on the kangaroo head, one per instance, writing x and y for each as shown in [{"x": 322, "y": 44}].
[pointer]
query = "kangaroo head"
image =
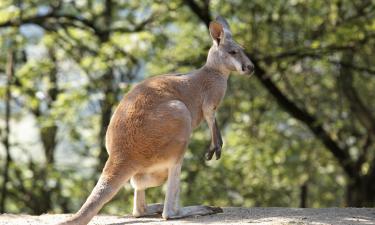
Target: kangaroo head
[{"x": 225, "y": 54}]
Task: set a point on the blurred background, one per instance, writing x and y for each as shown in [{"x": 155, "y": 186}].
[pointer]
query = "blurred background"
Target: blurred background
[{"x": 299, "y": 133}]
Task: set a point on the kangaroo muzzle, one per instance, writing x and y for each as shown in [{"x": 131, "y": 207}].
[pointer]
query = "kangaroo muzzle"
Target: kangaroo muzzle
[{"x": 248, "y": 68}]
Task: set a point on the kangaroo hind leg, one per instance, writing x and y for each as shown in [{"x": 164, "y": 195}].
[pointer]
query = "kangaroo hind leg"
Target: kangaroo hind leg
[
  {"x": 172, "y": 209},
  {"x": 140, "y": 183},
  {"x": 114, "y": 175}
]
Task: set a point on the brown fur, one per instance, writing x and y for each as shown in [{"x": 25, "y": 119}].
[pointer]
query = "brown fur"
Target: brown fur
[{"x": 150, "y": 129}]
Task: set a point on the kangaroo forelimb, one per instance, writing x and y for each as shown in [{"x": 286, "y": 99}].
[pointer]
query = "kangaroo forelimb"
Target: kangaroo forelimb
[
  {"x": 150, "y": 129},
  {"x": 218, "y": 134},
  {"x": 216, "y": 143}
]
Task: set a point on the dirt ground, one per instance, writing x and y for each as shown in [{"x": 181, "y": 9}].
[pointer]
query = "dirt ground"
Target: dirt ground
[{"x": 292, "y": 216}]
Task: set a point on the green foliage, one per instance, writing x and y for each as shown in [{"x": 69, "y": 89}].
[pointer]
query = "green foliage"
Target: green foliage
[{"x": 75, "y": 64}]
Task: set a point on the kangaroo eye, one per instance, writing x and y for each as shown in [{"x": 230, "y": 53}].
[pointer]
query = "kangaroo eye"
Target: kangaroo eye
[{"x": 233, "y": 52}]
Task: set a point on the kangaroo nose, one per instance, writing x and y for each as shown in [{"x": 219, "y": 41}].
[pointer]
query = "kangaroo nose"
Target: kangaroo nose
[
  {"x": 250, "y": 68},
  {"x": 244, "y": 68}
]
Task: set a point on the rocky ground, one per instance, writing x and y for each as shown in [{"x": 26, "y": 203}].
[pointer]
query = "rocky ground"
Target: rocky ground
[{"x": 230, "y": 216}]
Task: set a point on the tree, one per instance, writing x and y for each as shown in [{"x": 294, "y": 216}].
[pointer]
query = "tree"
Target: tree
[
  {"x": 360, "y": 184},
  {"x": 8, "y": 158},
  {"x": 300, "y": 134}
]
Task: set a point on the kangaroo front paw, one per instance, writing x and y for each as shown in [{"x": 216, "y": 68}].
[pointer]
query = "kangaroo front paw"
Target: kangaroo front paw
[{"x": 213, "y": 150}]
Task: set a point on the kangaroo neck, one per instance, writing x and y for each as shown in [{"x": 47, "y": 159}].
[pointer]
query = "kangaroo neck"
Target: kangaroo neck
[{"x": 214, "y": 71}]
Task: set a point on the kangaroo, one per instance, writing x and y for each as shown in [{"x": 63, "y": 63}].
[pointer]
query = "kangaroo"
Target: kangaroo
[{"x": 149, "y": 131}]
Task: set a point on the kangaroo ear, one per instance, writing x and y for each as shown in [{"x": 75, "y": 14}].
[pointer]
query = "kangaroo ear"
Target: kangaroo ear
[
  {"x": 223, "y": 22},
  {"x": 217, "y": 32}
]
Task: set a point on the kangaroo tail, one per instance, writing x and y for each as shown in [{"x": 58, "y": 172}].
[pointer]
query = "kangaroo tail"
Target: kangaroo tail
[{"x": 114, "y": 175}]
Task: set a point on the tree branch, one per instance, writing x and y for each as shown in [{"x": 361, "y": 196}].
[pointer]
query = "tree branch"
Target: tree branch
[
  {"x": 306, "y": 52},
  {"x": 357, "y": 106},
  {"x": 53, "y": 19},
  {"x": 302, "y": 115},
  {"x": 345, "y": 80},
  {"x": 202, "y": 12},
  {"x": 354, "y": 67},
  {"x": 341, "y": 154}
]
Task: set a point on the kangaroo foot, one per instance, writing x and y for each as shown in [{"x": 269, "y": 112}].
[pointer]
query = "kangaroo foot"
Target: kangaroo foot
[
  {"x": 151, "y": 210},
  {"x": 197, "y": 210}
]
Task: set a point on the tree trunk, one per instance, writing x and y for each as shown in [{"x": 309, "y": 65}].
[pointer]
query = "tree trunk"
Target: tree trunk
[
  {"x": 108, "y": 89},
  {"x": 8, "y": 159},
  {"x": 48, "y": 136},
  {"x": 303, "y": 195},
  {"x": 48, "y": 133},
  {"x": 360, "y": 192},
  {"x": 106, "y": 113}
]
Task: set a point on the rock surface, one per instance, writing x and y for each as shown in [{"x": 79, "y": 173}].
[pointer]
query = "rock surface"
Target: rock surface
[{"x": 295, "y": 216}]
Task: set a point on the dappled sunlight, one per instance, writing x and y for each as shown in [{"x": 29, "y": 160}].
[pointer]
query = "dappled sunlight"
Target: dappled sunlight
[
  {"x": 300, "y": 132},
  {"x": 262, "y": 216}
]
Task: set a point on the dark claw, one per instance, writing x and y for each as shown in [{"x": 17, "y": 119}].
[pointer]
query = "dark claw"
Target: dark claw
[
  {"x": 209, "y": 154},
  {"x": 220, "y": 142},
  {"x": 217, "y": 209},
  {"x": 213, "y": 209},
  {"x": 218, "y": 134},
  {"x": 218, "y": 153},
  {"x": 213, "y": 150}
]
